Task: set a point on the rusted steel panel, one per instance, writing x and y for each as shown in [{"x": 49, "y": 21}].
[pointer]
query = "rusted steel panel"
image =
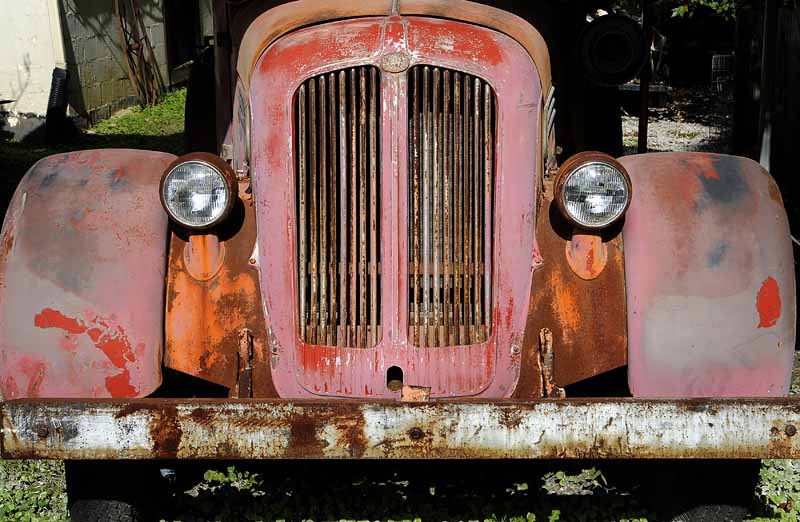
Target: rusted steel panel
[
  {"x": 82, "y": 277},
  {"x": 486, "y": 369},
  {"x": 206, "y": 310},
  {"x": 587, "y": 317},
  {"x": 206, "y": 429},
  {"x": 710, "y": 277}
]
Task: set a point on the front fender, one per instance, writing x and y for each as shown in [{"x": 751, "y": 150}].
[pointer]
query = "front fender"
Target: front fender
[
  {"x": 82, "y": 272},
  {"x": 709, "y": 277}
]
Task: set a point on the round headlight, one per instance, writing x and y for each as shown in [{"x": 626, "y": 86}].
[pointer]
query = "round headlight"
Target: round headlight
[
  {"x": 593, "y": 190},
  {"x": 198, "y": 190}
]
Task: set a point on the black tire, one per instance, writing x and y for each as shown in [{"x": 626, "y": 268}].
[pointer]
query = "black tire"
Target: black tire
[
  {"x": 109, "y": 491},
  {"x": 106, "y": 510}
]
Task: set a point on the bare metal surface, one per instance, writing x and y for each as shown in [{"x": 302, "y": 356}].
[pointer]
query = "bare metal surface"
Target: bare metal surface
[
  {"x": 549, "y": 389},
  {"x": 354, "y": 178},
  {"x": 588, "y": 428},
  {"x": 451, "y": 179}
]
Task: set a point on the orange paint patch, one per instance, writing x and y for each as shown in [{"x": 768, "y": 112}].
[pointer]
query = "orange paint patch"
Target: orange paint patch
[
  {"x": 49, "y": 318},
  {"x": 120, "y": 385},
  {"x": 768, "y": 303}
]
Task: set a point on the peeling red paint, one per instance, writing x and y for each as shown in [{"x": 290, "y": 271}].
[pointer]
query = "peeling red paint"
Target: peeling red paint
[
  {"x": 111, "y": 340},
  {"x": 49, "y": 318},
  {"x": 120, "y": 385},
  {"x": 768, "y": 303}
]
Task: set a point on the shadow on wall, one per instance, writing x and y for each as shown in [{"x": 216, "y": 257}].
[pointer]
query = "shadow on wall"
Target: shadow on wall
[{"x": 99, "y": 84}]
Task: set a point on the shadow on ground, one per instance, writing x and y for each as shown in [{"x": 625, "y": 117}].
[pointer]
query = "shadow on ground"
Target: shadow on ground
[
  {"x": 463, "y": 490},
  {"x": 16, "y": 158}
]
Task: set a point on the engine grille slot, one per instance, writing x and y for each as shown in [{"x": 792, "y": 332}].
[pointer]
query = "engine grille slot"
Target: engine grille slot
[
  {"x": 337, "y": 118},
  {"x": 451, "y": 180}
]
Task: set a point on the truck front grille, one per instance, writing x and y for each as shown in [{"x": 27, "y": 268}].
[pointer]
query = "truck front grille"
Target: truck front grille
[
  {"x": 451, "y": 158},
  {"x": 338, "y": 208}
]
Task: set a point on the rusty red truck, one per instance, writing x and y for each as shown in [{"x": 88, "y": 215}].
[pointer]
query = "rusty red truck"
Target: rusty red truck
[{"x": 384, "y": 259}]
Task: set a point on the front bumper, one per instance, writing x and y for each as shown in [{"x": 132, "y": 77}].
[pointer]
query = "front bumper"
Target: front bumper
[{"x": 275, "y": 429}]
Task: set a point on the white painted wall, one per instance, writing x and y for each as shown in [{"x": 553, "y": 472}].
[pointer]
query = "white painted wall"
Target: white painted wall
[{"x": 30, "y": 38}]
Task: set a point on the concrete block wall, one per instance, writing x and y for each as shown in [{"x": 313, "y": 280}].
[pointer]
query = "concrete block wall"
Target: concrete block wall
[{"x": 99, "y": 83}]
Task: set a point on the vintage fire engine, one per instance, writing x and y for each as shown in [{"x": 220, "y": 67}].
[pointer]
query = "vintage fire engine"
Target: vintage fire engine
[{"x": 384, "y": 260}]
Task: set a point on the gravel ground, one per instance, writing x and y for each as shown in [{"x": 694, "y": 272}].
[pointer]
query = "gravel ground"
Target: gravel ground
[{"x": 695, "y": 119}]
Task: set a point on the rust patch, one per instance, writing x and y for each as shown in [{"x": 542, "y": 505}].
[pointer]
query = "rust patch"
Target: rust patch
[
  {"x": 204, "y": 317},
  {"x": 768, "y": 303},
  {"x": 587, "y": 255},
  {"x": 36, "y": 380},
  {"x": 589, "y": 337},
  {"x": 166, "y": 432}
]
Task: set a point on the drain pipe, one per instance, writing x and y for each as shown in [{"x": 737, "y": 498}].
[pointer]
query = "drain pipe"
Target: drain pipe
[{"x": 57, "y": 102}]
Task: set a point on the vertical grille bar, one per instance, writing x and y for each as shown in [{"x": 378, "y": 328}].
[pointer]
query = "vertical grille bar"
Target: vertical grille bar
[
  {"x": 302, "y": 243},
  {"x": 323, "y": 334},
  {"x": 341, "y": 339},
  {"x": 416, "y": 279},
  {"x": 338, "y": 208},
  {"x": 353, "y": 245},
  {"x": 314, "y": 222},
  {"x": 426, "y": 204},
  {"x": 451, "y": 130},
  {"x": 334, "y": 230},
  {"x": 373, "y": 207}
]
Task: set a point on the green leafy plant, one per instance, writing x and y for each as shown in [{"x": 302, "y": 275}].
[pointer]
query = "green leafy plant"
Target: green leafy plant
[
  {"x": 586, "y": 482},
  {"x": 32, "y": 491},
  {"x": 778, "y": 488}
]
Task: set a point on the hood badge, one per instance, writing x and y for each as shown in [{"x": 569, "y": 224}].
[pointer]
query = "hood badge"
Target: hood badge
[{"x": 395, "y": 62}]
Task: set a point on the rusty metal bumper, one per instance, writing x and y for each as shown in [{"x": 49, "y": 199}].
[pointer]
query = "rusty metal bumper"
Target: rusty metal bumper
[{"x": 270, "y": 429}]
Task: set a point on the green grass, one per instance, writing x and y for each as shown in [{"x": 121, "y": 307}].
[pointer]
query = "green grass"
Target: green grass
[
  {"x": 152, "y": 128},
  {"x": 32, "y": 491}
]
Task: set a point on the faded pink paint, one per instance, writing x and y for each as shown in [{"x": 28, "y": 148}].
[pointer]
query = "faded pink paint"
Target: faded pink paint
[
  {"x": 708, "y": 263},
  {"x": 84, "y": 282},
  {"x": 483, "y": 370}
]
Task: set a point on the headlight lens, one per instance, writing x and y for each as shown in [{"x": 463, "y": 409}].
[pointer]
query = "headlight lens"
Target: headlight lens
[
  {"x": 196, "y": 193},
  {"x": 594, "y": 193}
]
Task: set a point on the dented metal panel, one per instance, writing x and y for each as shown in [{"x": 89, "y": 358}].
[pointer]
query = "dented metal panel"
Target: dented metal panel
[
  {"x": 82, "y": 277},
  {"x": 710, "y": 278},
  {"x": 207, "y": 429},
  {"x": 489, "y": 368}
]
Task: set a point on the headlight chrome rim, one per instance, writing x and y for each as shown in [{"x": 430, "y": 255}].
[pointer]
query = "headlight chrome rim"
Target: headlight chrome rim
[
  {"x": 580, "y": 161},
  {"x": 215, "y": 163}
]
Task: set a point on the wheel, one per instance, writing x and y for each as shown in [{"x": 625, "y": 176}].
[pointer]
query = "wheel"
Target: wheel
[{"x": 109, "y": 491}]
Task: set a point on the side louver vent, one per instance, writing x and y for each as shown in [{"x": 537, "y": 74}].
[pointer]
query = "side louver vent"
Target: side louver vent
[
  {"x": 338, "y": 208},
  {"x": 451, "y": 182}
]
